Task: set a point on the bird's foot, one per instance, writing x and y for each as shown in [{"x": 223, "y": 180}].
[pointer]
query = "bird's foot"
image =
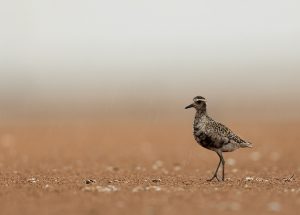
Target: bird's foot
[{"x": 214, "y": 176}]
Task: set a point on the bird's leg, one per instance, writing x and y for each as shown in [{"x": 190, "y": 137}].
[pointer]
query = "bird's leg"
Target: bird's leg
[
  {"x": 216, "y": 172},
  {"x": 223, "y": 165}
]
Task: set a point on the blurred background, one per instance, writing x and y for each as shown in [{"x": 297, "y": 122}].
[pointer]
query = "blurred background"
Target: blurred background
[
  {"x": 130, "y": 58},
  {"x": 96, "y": 90}
]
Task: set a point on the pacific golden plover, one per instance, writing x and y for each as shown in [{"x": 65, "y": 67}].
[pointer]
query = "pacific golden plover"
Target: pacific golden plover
[{"x": 214, "y": 135}]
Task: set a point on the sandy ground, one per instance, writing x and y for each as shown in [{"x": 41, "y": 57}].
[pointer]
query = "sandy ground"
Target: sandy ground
[{"x": 145, "y": 167}]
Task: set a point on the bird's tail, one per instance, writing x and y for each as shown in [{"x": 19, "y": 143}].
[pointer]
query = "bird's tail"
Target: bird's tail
[{"x": 247, "y": 145}]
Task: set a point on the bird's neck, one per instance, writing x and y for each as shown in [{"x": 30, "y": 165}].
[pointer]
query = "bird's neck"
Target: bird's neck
[
  {"x": 199, "y": 118},
  {"x": 200, "y": 114}
]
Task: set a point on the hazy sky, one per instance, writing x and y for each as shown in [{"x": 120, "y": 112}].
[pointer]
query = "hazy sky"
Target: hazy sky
[{"x": 48, "y": 46}]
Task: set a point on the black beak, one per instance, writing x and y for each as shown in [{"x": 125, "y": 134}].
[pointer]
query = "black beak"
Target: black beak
[{"x": 189, "y": 106}]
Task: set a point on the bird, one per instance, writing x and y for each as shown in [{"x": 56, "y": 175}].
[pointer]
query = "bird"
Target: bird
[{"x": 213, "y": 135}]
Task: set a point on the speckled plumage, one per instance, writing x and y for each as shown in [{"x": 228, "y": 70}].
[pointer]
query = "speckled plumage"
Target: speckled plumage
[{"x": 214, "y": 135}]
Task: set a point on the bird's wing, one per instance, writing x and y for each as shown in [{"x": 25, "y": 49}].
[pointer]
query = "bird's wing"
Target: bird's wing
[{"x": 222, "y": 135}]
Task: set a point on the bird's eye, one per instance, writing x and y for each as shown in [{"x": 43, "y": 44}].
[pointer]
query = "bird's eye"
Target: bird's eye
[{"x": 198, "y": 101}]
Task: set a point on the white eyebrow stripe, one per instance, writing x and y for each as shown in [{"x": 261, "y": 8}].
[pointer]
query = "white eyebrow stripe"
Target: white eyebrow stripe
[{"x": 199, "y": 100}]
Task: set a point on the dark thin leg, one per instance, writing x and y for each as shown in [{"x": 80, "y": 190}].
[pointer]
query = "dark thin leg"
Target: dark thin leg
[
  {"x": 223, "y": 165},
  {"x": 216, "y": 172}
]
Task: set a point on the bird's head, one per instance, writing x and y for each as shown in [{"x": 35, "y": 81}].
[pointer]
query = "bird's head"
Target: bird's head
[{"x": 199, "y": 104}]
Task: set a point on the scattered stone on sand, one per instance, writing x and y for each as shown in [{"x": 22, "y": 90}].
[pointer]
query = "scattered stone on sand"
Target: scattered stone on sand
[
  {"x": 288, "y": 179},
  {"x": 101, "y": 189},
  {"x": 114, "y": 181},
  {"x": 107, "y": 189},
  {"x": 156, "y": 180},
  {"x": 138, "y": 189},
  {"x": 32, "y": 180},
  {"x": 90, "y": 181},
  {"x": 187, "y": 182},
  {"x": 248, "y": 178},
  {"x": 49, "y": 187},
  {"x": 261, "y": 180},
  {"x": 148, "y": 188},
  {"x": 153, "y": 188}
]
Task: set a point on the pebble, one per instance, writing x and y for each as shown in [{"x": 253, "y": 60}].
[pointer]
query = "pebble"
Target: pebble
[
  {"x": 261, "y": 180},
  {"x": 154, "y": 188},
  {"x": 107, "y": 189},
  {"x": 137, "y": 189},
  {"x": 101, "y": 189},
  {"x": 248, "y": 178},
  {"x": 90, "y": 181},
  {"x": 289, "y": 179},
  {"x": 114, "y": 181},
  {"x": 32, "y": 180},
  {"x": 156, "y": 180},
  {"x": 48, "y": 187}
]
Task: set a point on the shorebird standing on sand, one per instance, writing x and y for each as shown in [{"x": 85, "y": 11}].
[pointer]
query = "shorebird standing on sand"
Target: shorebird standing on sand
[{"x": 214, "y": 135}]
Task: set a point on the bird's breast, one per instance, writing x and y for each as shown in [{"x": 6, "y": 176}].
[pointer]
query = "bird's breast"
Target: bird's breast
[{"x": 201, "y": 138}]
